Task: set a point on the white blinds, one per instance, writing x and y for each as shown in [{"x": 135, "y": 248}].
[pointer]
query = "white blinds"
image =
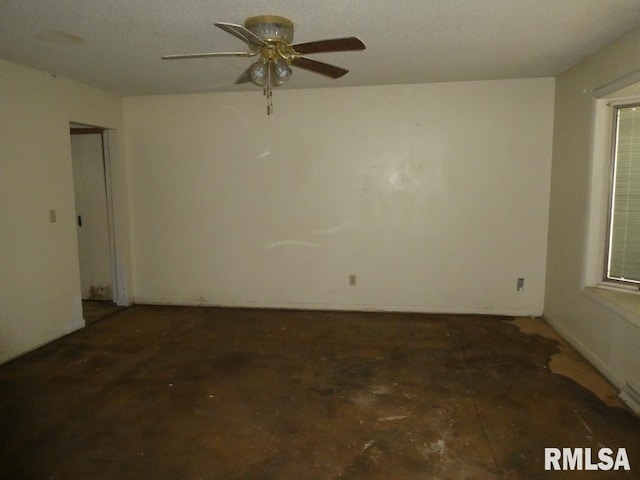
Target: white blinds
[{"x": 624, "y": 234}]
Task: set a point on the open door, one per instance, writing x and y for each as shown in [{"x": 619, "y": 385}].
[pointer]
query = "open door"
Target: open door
[{"x": 92, "y": 213}]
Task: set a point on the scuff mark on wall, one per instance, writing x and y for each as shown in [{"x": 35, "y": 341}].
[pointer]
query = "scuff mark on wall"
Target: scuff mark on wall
[
  {"x": 335, "y": 229},
  {"x": 100, "y": 293},
  {"x": 295, "y": 243}
]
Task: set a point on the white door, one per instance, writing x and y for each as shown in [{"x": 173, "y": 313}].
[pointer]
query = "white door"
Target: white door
[{"x": 91, "y": 216}]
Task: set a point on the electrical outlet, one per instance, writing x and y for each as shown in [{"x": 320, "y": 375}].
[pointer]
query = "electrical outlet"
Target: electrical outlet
[
  {"x": 52, "y": 216},
  {"x": 352, "y": 280},
  {"x": 520, "y": 284}
]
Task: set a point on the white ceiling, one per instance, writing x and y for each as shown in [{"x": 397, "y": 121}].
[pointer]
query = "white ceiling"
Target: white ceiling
[{"x": 117, "y": 44}]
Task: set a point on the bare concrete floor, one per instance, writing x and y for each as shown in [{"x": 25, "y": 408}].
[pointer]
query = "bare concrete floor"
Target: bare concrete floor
[{"x": 211, "y": 393}]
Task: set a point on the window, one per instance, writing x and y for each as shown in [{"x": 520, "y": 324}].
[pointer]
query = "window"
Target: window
[{"x": 623, "y": 246}]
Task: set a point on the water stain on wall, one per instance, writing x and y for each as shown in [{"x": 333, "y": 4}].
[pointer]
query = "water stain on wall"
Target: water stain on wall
[{"x": 60, "y": 38}]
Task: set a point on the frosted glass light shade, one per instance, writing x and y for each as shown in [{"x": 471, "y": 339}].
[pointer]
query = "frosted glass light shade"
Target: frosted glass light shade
[
  {"x": 259, "y": 72},
  {"x": 282, "y": 71}
]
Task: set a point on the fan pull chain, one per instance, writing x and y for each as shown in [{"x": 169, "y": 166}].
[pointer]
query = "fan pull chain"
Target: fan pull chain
[{"x": 269, "y": 90}]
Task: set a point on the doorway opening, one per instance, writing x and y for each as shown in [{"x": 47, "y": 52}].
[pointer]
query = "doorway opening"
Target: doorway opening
[{"x": 94, "y": 221}]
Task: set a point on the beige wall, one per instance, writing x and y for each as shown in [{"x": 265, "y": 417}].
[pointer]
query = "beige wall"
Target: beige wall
[
  {"x": 39, "y": 272},
  {"x": 604, "y": 335},
  {"x": 435, "y": 196}
]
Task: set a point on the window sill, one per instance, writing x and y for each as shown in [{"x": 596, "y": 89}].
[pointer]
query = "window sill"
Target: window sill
[{"x": 623, "y": 303}]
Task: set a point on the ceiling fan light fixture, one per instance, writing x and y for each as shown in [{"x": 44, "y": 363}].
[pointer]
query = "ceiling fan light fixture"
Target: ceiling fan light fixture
[
  {"x": 271, "y": 37},
  {"x": 271, "y": 28},
  {"x": 259, "y": 72},
  {"x": 282, "y": 71}
]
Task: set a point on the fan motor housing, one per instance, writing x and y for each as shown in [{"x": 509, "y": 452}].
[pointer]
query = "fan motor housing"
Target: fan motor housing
[{"x": 271, "y": 28}]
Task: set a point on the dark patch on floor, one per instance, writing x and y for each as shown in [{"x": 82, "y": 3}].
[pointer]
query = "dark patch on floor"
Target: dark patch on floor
[{"x": 213, "y": 393}]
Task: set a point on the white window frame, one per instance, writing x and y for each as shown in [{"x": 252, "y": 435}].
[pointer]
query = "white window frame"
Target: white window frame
[
  {"x": 616, "y": 106},
  {"x": 600, "y": 196}
]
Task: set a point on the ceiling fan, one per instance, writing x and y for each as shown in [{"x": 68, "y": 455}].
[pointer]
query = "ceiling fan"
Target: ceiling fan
[{"x": 270, "y": 37}]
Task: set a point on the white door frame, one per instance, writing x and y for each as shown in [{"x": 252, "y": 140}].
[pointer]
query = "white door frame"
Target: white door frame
[
  {"x": 110, "y": 152},
  {"x": 110, "y": 156},
  {"x": 110, "y": 223}
]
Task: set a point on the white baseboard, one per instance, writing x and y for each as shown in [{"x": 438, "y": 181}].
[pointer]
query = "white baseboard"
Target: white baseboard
[
  {"x": 596, "y": 361},
  {"x": 16, "y": 352},
  {"x": 189, "y": 302},
  {"x": 631, "y": 399},
  {"x": 73, "y": 326}
]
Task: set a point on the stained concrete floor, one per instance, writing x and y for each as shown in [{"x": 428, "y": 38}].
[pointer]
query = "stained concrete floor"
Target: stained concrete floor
[{"x": 213, "y": 393}]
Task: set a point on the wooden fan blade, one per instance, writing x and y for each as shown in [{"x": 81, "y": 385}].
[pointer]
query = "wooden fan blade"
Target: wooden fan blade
[
  {"x": 247, "y": 36},
  {"x": 206, "y": 55},
  {"x": 319, "y": 67},
  {"x": 245, "y": 77},
  {"x": 331, "y": 45}
]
